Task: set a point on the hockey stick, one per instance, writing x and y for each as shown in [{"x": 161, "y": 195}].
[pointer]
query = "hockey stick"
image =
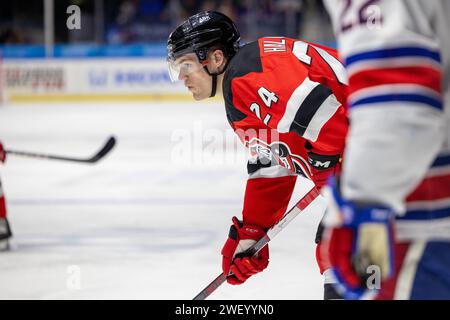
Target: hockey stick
[
  {"x": 280, "y": 225},
  {"x": 99, "y": 155}
]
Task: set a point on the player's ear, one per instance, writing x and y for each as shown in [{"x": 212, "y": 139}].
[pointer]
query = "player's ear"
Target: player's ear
[{"x": 218, "y": 58}]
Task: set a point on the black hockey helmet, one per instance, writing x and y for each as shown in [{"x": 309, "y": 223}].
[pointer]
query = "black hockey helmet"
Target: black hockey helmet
[{"x": 200, "y": 32}]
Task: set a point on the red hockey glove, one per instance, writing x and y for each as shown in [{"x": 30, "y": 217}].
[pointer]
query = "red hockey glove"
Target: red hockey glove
[
  {"x": 360, "y": 246},
  {"x": 235, "y": 264},
  {"x": 2, "y": 153}
]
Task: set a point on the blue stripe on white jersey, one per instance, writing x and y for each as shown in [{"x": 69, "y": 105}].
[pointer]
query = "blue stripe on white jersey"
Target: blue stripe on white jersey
[
  {"x": 441, "y": 161},
  {"x": 394, "y": 53},
  {"x": 399, "y": 97},
  {"x": 426, "y": 214}
]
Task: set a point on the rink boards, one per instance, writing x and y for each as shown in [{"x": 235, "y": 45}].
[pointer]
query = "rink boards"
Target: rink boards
[{"x": 88, "y": 79}]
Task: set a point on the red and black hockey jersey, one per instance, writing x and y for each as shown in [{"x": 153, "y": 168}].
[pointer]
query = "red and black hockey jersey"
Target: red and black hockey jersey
[{"x": 286, "y": 101}]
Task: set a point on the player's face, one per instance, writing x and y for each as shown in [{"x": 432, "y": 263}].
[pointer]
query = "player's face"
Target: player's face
[{"x": 189, "y": 70}]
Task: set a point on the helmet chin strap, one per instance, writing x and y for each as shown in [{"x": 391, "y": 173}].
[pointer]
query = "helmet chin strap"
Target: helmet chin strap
[
  {"x": 214, "y": 81},
  {"x": 214, "y": 85},
  {"x": 214, "y": 78}
]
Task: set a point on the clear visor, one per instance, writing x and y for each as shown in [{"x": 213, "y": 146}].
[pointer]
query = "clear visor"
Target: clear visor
[{"x": 183, "y": 66}]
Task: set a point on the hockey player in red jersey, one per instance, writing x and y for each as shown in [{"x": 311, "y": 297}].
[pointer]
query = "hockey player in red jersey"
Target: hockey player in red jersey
[
  {"x": 392, "y": 205},
  {"x": 5, "y": 231},
  {"x": 285, "y": 99}
]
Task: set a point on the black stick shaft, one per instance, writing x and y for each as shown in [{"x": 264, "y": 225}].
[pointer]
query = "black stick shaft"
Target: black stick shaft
[{"x": 99, "y": 155}]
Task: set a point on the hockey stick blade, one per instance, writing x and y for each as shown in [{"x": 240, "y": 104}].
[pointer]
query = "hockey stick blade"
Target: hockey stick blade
[
  {"x": 110, "y": 143},
  {"x": 280, "y": 225},
  {"x": 106, "y": 149}
]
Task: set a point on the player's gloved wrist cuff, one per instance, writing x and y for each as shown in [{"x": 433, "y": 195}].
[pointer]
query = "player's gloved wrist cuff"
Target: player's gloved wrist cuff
[{"x": 246, "y": 231}]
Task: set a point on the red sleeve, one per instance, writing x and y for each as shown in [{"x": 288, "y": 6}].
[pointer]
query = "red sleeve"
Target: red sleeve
[{"x": 266, "y": 200}]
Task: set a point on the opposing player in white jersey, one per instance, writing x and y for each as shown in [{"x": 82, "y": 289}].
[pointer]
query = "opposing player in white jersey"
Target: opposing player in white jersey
[{"x": 391, "y": 212}]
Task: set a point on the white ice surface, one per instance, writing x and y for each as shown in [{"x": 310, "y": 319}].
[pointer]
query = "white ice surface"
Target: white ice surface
[{"x": 137, "y": 225}]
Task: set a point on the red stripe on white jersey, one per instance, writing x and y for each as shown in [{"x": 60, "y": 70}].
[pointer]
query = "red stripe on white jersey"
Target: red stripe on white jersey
[
  {"x": 423, "y": 76},
  {"x": 431, "y": 189}
]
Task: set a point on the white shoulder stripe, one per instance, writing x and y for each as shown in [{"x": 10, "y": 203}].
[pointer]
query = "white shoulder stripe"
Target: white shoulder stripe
[
  {"x": 335, "y": 65},
  {"x": 323, "y": 114},
  {"x": 295, "y": 101}
]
